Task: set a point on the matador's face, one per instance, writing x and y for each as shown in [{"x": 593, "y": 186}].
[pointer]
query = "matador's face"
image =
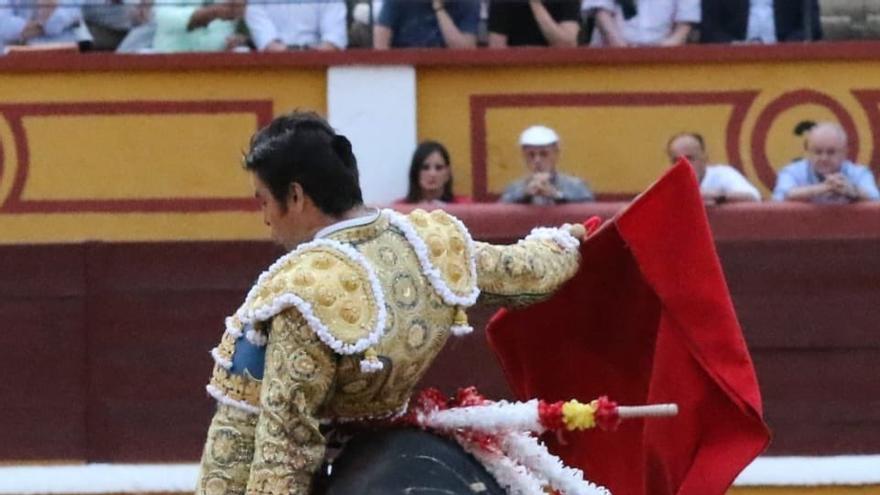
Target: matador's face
[{"x": 287, "y": 228}]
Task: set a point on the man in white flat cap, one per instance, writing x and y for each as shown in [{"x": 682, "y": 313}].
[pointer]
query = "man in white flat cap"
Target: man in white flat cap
[{"x": 544, "y": 185}]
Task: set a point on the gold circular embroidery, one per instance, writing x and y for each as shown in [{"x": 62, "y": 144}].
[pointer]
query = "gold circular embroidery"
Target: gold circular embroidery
[
  {"x": 303, "y": 364},
  {"x": 222, "y": 448},
  {"x": 302, "y": 434},
  {"x": 456, "y": 244},
  {"x": 435, "y": 244},
  {"x": 416, "y": 336},
  {"x": 419, "y": 217},
  {"x": 326, "y": 296},
  {"x": 303, "y": 278},
  {"x": 350, "y": 313},
  {"x": 272, "y": 452},
  {"x": 403, "y": 288},
  {"x": 215, "y": 486},
  {"x": 455, "y": 272},
  {"x": 322, "y": 262},
  {"x": 440, "y": 217},
  {"x": 276, "y": 397},
  {"x": 297, "y": 461},
  {"x": 350, "y": 282},
  {"x": 387, "y": 256}
]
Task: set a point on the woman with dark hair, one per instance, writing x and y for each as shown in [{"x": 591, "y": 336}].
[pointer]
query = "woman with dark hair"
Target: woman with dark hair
[{"x": 430, "y": 176}]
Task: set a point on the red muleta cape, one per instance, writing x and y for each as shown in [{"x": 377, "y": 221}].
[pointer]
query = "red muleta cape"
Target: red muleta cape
[{"x": 647, "y": 319}]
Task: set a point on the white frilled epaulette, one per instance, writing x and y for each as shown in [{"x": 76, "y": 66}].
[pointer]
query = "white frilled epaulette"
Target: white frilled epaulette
[
  {"x": 333, "y": 287},
  {"x": 447, "y": 257}
]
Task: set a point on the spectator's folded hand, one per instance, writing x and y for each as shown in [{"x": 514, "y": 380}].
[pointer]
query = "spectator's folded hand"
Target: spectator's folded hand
[{"x": 275, "y": 46}]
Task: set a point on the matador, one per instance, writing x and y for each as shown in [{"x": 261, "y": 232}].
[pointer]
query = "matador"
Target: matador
[{"x": 341, "y": 328}]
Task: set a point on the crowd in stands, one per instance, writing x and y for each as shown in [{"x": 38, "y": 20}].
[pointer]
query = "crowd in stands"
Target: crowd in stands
[
  {"x": 170, "y": 26},
  {"x": 824, "y": 175}
]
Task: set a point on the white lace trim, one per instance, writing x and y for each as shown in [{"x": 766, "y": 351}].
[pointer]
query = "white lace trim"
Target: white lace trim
[
  {"x": 222, "y": 398},
  {"x": 460, "y": 330},
  {"x": 513, "y": 477},
  {"x": 431, "y": 272},
  {"x": 527, "y": 451},
  {"x": 220, "y": 360},
  {"x": 231, "y": 329},
  {"x": 371, "y": 365},
  {"x": 561, "y": 237},
  {"x": 493, "y": 418},
  {"x": 287, "y": 300},
  {"x": 524, "y": 466},
  {"x": 256, "y": 337}
]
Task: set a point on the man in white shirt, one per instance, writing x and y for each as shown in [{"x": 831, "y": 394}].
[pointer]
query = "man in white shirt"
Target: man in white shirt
[
  {"x": 277, "y": 27},
  {"x": 642, "y": 22},
  {"x": 718, "y": 183},
  {"x": 24, "y": 22}
]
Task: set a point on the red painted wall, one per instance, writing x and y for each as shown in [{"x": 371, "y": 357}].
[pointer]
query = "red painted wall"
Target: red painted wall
[{"x": 105, "y": 346}]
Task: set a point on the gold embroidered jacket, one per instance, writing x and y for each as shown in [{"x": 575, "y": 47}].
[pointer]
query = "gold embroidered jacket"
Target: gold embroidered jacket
[{"x": 343, "y": 328}]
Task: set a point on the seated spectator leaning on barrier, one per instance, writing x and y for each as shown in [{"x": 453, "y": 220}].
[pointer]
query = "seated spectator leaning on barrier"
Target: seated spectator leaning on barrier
[
  {"x": 758, "y": 21},
  {"x": 191, "y": 26},
  {"x": 430, "y": 177},
  {"x": 718, "y": 183},
  {"x": 544, "y": 185},
  {"x": 642, "y": 22},
  {"x": 28, "y": 22},
  {"x": 297, "y": 24},
  {"x": 427, "y": 23},
  {"x": 533, "y": 22},
  {"x": 825, "y": 175}
]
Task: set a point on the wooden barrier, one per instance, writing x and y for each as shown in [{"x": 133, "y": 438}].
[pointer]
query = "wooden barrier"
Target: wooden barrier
[{"x": 106, "y": 344}]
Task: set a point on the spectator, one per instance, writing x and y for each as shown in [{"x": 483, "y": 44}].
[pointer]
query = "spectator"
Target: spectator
[
  {"x": 544, "y": 185},
  {"x": 140, "y": 37},
  {"x": 110, "y": 21},
  {"x": 760, "y": 21},
  {"x": 296, "y": 25},
  {"x": 533, "y": 22},
  {"x": 642, "y": 22},
  {"x": 27, "y": 22},
  {"x": 718, "y": 183},
  {"x": 430, "y": 176},
  {"x": 427, "y": 23},
  {"x": 825, "y": 175},
  {"x": 190, "y": 26}
]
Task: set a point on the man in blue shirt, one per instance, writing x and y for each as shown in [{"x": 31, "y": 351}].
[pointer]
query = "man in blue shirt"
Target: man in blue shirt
[
  {"x": 825, "y": 175},
  {"x": 427, "y": 23}
]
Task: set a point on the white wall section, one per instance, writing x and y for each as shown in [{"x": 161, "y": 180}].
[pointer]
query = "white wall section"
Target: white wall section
[{"x": 375, "y": 107}]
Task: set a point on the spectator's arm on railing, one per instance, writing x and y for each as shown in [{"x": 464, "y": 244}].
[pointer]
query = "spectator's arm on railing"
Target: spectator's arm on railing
[
  {"x": 59, "y": 19},
  {"x": 607, "y": 24},
  {"x": 679, "y": 34},
  {"x": 562, "y": 33},
  {"x": 454, "y": 37},
  {"x": 14, "y": 28},
  {"x": 383, "y": 28},
  {"x": 334, "y": 34},
  {"x": 262, "y": 29},
  {"x": 688, "y": 13},
  {"x": 381, "y": 37}
]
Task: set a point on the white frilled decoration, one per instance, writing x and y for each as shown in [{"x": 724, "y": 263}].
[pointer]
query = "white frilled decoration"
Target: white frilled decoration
[
  {"x": 248, "y": 314},
  {"x": 460, "y": 325}
]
